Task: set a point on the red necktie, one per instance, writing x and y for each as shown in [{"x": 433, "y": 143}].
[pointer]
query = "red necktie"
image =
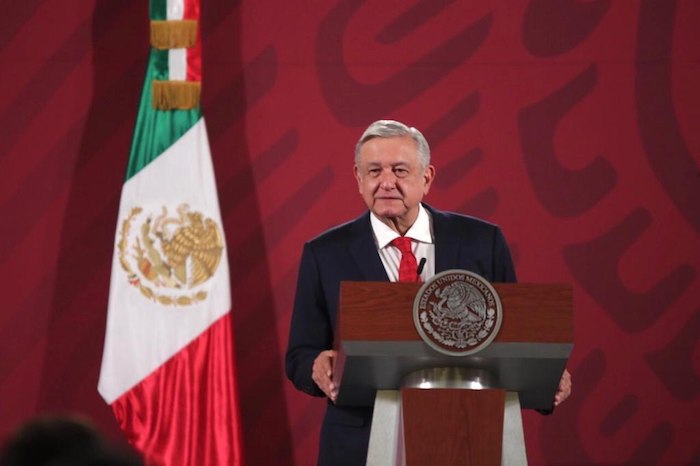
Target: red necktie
[{"x": 408, "y": 267}]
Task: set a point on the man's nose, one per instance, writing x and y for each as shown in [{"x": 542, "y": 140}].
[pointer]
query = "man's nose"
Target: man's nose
[{"x": 387, "y": 179}]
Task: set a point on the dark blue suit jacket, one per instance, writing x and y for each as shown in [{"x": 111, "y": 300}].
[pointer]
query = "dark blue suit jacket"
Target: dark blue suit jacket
[{"x": 348, "y": 252}]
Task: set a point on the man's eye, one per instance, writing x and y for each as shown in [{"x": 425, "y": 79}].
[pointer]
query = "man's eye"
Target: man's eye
[
  {"x": 374, "y": 171},
  {"x": 400, "y": 172}
]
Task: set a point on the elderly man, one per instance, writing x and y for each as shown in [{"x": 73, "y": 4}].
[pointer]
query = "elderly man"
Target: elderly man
[{"x": 393, "y": 173}]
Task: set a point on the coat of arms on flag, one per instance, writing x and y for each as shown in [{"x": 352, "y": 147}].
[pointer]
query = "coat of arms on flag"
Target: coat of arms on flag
[{"x": 169, "y": 258}]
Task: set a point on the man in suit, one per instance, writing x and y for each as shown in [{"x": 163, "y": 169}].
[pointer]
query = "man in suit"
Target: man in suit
[{"x": 393, "y": 173}]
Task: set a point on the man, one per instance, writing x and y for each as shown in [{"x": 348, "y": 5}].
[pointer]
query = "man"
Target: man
[{"x": 393, "y": 173}]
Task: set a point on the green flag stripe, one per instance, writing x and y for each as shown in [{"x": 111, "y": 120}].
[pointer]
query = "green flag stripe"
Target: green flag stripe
[
  {"x": 159, "y": 9},
  {"x": 160, "y": 61}
]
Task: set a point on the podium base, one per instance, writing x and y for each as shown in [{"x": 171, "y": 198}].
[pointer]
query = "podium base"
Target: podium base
[{"x": 387, "y": 445}]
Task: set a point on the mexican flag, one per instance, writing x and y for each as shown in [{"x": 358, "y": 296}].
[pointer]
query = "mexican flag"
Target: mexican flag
[{"x": 167, "y": 368}]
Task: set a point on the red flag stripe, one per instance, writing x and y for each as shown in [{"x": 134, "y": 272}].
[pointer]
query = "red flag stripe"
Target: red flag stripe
[
  {"x": 194, "y": 54},
  {"x": 186, "y": 411}
]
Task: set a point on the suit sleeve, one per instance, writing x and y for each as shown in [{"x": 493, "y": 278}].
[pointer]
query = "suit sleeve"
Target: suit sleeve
[
  {"x": 310, "y": 331},
  {"x": 503, "y": 268}
]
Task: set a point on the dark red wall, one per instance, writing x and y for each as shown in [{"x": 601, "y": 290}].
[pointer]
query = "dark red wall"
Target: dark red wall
[{"x": 573, "y": 124}]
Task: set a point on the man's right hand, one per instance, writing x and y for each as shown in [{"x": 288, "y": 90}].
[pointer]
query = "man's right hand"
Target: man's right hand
[{"x": 322, "y": 373}]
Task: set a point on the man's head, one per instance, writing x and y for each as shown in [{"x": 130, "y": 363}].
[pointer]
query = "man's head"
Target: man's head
[{"x": 393, "y": 172}]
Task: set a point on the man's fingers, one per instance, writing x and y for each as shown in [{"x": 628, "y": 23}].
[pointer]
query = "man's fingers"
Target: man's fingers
[
  {"x": 322, "y": 373},
  {"x": 564, "y": 389}
]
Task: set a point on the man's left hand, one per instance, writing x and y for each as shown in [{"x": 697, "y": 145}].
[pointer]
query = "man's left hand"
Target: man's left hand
[{"x": 564, "y": 389}]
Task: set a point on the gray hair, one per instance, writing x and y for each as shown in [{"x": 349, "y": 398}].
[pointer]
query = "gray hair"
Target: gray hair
[{"x": 394, "y": 129}]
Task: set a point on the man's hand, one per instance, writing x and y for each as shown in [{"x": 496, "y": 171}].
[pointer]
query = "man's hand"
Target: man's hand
[
  {"x": 564, "y": 389},
  {"x": 322, "y": 373}
]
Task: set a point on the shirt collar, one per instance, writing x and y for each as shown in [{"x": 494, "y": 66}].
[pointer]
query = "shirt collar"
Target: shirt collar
[{"x": 419, "y": 231}]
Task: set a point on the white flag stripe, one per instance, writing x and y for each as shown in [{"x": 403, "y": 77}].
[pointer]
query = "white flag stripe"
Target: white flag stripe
[
  {"x": 175, "y": 9},
  {"x": 177, "y": 58},
  {"x": 177, "y": 64},
  {"x": 142, "y": 335}
]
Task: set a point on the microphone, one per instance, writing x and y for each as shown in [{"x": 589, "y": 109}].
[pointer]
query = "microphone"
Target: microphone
[{"x": 421, "y": 264}]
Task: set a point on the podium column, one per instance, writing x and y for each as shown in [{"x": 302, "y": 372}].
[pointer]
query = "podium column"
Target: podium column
[{"x": 446, "y": 427}]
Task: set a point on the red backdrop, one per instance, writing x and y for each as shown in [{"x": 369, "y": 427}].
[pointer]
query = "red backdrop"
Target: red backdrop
[{"x": 573, "y": 124}]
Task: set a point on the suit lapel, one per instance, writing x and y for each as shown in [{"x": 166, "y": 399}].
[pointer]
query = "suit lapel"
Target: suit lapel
[
  {"x": 364, "y": 251},
  {"x": 446, "y": 245}
]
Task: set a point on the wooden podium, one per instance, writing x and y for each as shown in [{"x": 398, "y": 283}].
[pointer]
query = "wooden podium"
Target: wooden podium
[{"x": 379, "y": 351}]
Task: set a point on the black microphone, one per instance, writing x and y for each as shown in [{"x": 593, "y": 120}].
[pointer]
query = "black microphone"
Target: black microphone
[{"x": 421, "y": 264}]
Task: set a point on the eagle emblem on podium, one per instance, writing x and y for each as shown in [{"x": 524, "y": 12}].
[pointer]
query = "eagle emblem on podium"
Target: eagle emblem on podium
[{"x": 457, "y": 312}]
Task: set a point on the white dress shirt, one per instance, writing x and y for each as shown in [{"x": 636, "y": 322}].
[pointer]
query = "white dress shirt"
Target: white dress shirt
[{"x": 421, "y": 232}]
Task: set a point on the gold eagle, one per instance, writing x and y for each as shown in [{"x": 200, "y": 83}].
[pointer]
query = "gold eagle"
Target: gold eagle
[{"x": 200, "y": 240}]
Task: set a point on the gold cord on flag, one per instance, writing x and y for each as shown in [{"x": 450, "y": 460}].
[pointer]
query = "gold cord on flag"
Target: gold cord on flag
[
  {"x": 173, "y": 34},
  {"x": 176, "y": 95}
]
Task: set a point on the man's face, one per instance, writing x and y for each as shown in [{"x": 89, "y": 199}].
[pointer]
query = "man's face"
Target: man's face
[{"x": 391, "y": 179}]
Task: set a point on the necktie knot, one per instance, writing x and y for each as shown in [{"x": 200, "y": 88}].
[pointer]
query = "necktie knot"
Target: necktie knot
[{"x": 403, "y": 243}]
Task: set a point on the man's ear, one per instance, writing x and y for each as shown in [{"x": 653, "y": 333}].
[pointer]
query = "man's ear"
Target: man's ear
[
  {"x": 428, "y": 177},
  {"x": 356, "y": 173}
]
